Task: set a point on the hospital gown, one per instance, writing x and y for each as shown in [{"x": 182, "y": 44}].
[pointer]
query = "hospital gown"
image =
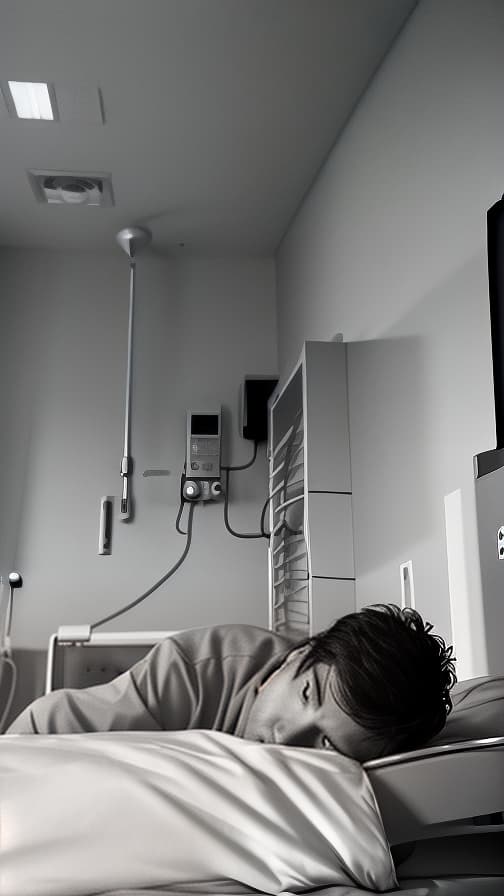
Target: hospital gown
[{"x": 200, "y": 678}]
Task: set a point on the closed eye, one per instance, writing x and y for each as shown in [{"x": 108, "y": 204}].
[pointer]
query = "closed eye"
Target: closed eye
[{"x": 305, "y": 691}]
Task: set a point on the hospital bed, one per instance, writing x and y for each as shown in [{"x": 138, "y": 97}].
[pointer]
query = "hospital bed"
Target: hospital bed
[{"x": 442, "y": 807}]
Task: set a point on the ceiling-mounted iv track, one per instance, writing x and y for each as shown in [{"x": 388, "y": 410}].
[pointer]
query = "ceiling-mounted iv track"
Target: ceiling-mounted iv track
[{"x": 131, "y": 240}]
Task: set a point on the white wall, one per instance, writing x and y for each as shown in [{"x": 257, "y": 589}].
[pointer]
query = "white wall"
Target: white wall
[
  {"x": 389, "y": 247},
  {"x": 201, "y": 325}
]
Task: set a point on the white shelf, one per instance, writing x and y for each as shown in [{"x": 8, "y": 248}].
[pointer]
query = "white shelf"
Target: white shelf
[{"x": 311, "y": 547}]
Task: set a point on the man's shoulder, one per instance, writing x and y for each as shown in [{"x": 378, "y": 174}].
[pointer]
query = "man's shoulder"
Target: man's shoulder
[{"x": 228, "y": 640}]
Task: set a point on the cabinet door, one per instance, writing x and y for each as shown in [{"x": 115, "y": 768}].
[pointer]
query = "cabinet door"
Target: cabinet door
[
  {"x": 326, "y": 417},
  {"x": 330, "y": 535}
]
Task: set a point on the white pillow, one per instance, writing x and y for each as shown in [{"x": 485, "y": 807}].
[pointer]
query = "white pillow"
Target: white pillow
[{"x": 197, "y": 810}]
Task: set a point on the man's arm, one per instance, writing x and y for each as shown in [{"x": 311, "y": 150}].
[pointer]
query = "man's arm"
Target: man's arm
[{"x": 134, "y": 701}]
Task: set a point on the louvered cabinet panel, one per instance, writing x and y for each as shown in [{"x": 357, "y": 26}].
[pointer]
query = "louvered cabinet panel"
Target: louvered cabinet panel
[{"x": 311, "y": 564}]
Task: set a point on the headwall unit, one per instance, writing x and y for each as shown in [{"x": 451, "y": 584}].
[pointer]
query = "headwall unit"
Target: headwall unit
[{"x": 311, "y": 560}]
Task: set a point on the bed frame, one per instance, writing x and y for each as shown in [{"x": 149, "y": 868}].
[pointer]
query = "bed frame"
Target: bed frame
[
  {"x": 80, "y": 658},
  {"x": 443, "y": 808}
]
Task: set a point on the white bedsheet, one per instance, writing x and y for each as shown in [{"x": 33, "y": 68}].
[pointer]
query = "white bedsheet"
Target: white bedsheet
[{"x": 185, "y": 812}]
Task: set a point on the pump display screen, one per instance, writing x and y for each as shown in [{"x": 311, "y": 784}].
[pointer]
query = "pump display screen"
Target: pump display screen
[{"x": 204, "y": 425}]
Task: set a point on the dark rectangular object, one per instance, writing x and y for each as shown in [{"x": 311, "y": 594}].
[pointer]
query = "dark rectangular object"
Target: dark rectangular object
[
  {"x": 204, "y": 425},
  {"x": 495, "y": 219},
  {"x": 256, "y": 392},
  {"x": 489, "y": 461},
  {"x": 105, "y": 536}
]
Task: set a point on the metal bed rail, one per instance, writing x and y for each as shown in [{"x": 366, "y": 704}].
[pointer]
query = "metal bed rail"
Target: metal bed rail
[{"x": 82, "y": 636}]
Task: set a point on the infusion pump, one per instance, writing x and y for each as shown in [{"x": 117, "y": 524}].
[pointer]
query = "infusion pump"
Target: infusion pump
[{"x": 203, "y": 456}]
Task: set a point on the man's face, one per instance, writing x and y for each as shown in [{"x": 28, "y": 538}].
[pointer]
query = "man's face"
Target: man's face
[{"x": 302, "y": 711}]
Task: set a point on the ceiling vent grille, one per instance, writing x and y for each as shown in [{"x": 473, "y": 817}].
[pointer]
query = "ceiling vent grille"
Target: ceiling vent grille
[{"x": 72, "y": 188}]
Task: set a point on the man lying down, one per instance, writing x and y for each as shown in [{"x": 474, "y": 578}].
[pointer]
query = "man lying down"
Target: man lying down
[
  {"x": 376, "y": 682},
  {"x": 119, "y": 800}
]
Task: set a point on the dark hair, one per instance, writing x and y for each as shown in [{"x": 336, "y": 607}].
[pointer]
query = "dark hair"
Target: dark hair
[{"x": 393, "y": 676}]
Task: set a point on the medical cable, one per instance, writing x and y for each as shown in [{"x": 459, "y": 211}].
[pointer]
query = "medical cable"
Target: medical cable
[
  {"x": 182, "y": 502},
  {"x": 226, "y": 516},
  {"x": 11, "y": 664},
  {"x": 157, "y": 584},
  {"x": 15, "y": 581},
  {"x": 227, "y": 471},
  {"x": 263, "y": 518},
  {"x": 179, "y": 515},
  {"x": 248, "y": 464}
]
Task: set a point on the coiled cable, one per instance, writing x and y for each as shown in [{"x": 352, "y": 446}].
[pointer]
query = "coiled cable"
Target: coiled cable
[{"x": 161, "y": 581}]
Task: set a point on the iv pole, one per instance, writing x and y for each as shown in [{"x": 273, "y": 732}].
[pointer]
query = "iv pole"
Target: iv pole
[{"x": 130, "y": 240}]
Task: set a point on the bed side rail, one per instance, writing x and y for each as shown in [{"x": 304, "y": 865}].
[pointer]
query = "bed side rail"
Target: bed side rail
[
  {"x": 441, "y": 791},
  {"x": 438, "y": 750}
]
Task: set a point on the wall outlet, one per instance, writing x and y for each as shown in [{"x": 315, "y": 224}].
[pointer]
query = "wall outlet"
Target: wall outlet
[
  {"x": 407, "y": 585},
  {"x": 500, "y": 543}
]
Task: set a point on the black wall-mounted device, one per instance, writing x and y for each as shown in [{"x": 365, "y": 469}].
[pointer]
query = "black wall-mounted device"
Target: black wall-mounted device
[{"x": 255, "y": 393}]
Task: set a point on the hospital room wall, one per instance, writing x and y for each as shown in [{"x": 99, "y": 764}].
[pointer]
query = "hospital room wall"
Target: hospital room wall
[
  {"x": 200, "y": 326},
  {"x": 389, "y": 248}
]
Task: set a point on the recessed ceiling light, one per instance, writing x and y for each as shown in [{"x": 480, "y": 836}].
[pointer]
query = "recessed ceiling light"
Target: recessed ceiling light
[{"x": 32, "y": 100}]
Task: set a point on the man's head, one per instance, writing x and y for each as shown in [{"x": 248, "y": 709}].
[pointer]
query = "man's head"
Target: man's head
[{"x": 376, "y": 682}]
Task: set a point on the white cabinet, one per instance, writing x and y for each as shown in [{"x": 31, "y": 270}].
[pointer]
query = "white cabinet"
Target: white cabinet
[{"x": 311, "y": 563}]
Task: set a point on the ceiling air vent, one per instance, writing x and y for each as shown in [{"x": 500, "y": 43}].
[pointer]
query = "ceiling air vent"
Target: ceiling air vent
[{"x": 72, "y": 188}]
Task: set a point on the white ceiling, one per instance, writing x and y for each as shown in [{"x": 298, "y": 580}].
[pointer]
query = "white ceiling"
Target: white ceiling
[{"x": 218, "y": 113}]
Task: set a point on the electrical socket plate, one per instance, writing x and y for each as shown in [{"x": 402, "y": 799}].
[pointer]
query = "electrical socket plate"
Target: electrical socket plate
[
  {"x": 407, "y": 585},
  {"x": 500, "y": 543}
]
